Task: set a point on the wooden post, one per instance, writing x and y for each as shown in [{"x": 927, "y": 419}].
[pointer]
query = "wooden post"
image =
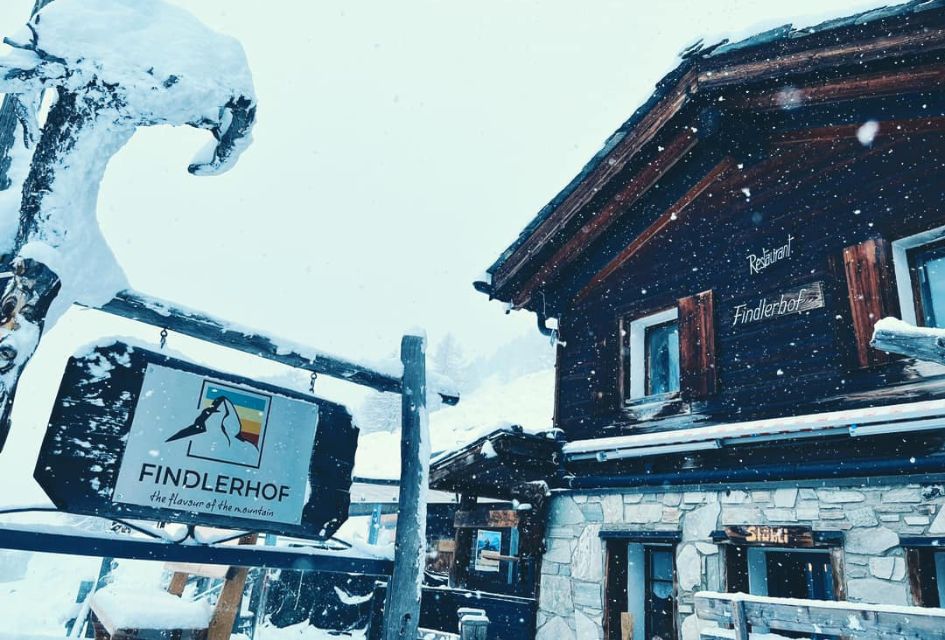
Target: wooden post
[
  {"x": 403, "y": 600},
  {"x": 177, "y": 584},
  {"x": 462, "y": 552},
  {"x": 228, "y": 605},
  {"x": 739, "y": 620}
]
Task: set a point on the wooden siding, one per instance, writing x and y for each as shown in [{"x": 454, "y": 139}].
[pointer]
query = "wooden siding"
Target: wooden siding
[{"x": 825, "y": 192}]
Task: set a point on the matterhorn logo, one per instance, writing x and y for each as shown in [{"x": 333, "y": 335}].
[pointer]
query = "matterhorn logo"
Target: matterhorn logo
[{"x": 230, "y": 426}]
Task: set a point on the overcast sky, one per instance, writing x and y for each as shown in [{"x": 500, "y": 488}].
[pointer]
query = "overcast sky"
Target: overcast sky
[{"x": 400, "y": 148}]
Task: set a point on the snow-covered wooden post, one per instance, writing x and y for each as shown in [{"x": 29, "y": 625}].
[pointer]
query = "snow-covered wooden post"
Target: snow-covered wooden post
[
  {"x": 402, "y": 615},
  {"x": 116, "y": 66}
]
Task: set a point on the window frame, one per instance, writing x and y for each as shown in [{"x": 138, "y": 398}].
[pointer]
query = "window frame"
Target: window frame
[
  {"x": 633, "y": 336},
  {"x": 906, "y": 273}
]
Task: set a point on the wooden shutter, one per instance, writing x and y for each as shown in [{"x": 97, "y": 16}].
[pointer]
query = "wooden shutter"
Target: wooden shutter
[
  {"x": 697, "y": 372},
  {"x": 872, "y": 291}
]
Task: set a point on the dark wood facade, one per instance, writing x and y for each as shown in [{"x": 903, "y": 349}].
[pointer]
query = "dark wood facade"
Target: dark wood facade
[{"x": 833, "y": 141}]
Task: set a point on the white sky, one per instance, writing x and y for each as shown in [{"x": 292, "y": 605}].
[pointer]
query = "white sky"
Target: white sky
[{"x": 400, "y": 147}]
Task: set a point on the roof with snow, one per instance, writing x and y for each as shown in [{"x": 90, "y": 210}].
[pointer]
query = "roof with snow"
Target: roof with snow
[
  {"x": 704, "y": 69},
  {"x": 498, "y": 463}
]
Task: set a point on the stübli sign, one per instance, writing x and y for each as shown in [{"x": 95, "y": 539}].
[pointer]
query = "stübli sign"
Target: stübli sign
[
  {"x": 788, "y": 536},
  {"x": 799, "y": 300},
  {"x": 136, "y": 434}
]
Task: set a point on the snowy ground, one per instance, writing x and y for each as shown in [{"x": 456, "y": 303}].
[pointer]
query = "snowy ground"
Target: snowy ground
[{"x": 302, "y": 631}]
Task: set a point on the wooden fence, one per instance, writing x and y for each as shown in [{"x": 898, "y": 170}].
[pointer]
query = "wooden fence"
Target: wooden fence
[{"x": 736, "y": 613}]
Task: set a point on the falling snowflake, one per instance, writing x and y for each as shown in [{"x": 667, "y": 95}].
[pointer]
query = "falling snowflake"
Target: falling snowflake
[{"x": 867, "y": 132}]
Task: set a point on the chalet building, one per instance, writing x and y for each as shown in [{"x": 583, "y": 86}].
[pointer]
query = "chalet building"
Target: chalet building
[{"x": 716, "y": 272}]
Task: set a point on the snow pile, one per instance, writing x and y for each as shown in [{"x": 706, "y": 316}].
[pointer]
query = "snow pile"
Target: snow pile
[
  {"x": 45, "y": 598},
  {"x": 899, "y": 327},
  {"x": 155, "y": 609},
  {"x": 169, "y": 67},
  {"x": 301, "y": 631},
  {"x": 527, "y": 401}
]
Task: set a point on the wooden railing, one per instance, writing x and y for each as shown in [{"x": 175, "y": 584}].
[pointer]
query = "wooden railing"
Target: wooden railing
[{"x": 736, "y": 613}]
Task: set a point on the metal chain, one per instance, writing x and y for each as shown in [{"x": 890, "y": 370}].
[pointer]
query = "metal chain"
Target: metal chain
[
  {"x": 163, "y": 338},
  {"x": 311, "y": 384}
]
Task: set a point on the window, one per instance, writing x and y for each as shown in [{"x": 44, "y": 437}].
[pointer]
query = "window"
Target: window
[
  {"x": 927, "y": 576},
  {"x": 640, "y": 590},
  {"x": 928, "y": 271},
  {"x": 919, "y": 262},
  {"x": 650, "y": 356},
  {"x": 658, "y": 607}
]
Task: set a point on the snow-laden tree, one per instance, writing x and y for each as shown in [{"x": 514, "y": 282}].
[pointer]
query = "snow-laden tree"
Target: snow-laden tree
[
  {"x": 112, "y": 66},
  {"x": 449, "y": 361}
]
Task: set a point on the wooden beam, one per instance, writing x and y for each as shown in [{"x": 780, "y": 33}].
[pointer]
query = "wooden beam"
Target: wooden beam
[
  {"x": 639, "y": 184},
  {"x": 178, "y": 583},
  {"x": 884, "y": 83},
  {"x": 671, "y": 216},
  {"x": 903, "y": 339},
  {"x": 24, "y": 539},
  {"x": 402, "y": 614},
  {"x": 160, "y": 313},
  {"x": 847, "y": 132},
  {"x": 854, "y": 53},
  {"x": 231, "y": 596},
  {"x": 623, "y": 152}
]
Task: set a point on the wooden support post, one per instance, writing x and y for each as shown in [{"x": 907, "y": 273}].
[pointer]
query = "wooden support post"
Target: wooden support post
[
  {"x": 177, "y": 583},
  {"x": 402, "y": 617},
  {"x": 739, "y": 620},
  {"x": 459, "y": 570},
  {"x": 228, "y": 605}
]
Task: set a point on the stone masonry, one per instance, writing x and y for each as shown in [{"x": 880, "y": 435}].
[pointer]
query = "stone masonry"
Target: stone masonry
[{"x": 873, "y": 519}]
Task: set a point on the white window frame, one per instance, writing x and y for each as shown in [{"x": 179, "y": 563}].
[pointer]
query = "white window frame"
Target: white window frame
[
  {"x": 900, "y": 250},
  {"x": 637, "y": 344}
]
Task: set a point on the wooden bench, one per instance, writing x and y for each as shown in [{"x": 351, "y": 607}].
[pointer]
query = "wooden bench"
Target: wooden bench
[{"x": 736, "y": 613}]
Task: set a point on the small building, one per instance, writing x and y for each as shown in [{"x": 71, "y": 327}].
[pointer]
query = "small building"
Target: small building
[{"x": 715, "y": 272}]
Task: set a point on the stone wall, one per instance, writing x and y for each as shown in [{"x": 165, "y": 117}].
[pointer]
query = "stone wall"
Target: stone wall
[{"x": 873, "y": 519}]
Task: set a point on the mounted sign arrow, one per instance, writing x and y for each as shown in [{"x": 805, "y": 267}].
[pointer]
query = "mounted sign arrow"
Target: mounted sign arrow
[{"x": 135, "y": 434}]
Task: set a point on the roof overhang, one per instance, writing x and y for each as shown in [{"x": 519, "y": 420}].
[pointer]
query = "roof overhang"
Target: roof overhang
[
  {"x": 496, "y": 464},
  {"x": 898, "y": 418}
]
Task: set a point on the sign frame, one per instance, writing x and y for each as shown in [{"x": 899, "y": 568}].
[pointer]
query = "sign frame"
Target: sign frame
[{"x": 92, "y": 416}]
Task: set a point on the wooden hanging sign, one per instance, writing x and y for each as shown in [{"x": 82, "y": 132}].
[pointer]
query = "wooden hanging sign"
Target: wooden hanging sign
[
  {"x": 136, "y": 434},
  {"x": 763, "y": 535}
]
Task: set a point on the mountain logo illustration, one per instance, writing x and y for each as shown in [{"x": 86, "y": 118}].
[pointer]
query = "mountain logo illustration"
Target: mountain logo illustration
[{"x": 229, "y": 426}]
